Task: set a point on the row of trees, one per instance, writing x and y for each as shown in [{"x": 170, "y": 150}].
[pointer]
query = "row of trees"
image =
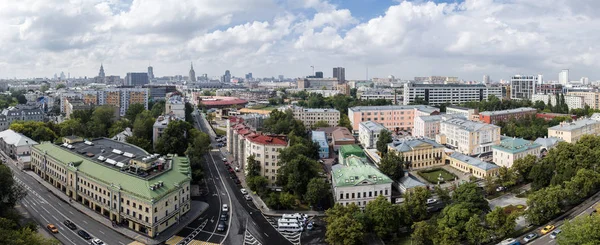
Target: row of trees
[{"x": 529, "y": 127}]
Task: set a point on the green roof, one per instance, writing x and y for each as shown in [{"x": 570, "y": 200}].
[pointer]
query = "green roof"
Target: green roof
[
  {"x": 348, "y": 150},
  {"x": 136, "y": 186},
  {"x": 357, "y": 172},
  {"x": 515, "y": 145}
]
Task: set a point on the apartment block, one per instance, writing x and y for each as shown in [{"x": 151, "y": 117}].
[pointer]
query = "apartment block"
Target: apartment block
[
  {"x": 419, "y": 153},
  {"x": 468, "y": 113},
  {"x": 356, "y": 181},
  {"x": 592, "y": 99},
  {"x": 310, "y": 116},
  {"x": 437, "y": 94},
  {"x": 523, "y": 87},
  {"x": 368, "y": 133},
  {"x": 574, "y": 102},
  {"x": 468, "y": 137},
  {"x": 393, "y": 117},
  {"x": 427, "y": 126},
  {"x": 123, "y": 97},
  {"x": 20, "y": 113},
  {"x": 493, "y": 117},
  {"x": 571, "y": 132},
  {"x": 511, "y": 149}
]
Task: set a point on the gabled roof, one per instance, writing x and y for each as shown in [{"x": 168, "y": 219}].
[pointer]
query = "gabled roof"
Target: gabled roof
[
  {"x": 548, "y": 142},
  {"x": 357, "y": 172},
  {"x": 13, "y": 138},
  {"x": 474, "y": 161},
  {"x": 410, "y": 145},
  {"x": 515, "y": 145}
]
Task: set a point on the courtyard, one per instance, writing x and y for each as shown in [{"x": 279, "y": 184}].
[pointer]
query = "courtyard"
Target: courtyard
[{"x": 432, "y": 175}]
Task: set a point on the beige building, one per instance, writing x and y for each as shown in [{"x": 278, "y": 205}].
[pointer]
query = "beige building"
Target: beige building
[
  {"x": 146, "y": 193},
  {"x": 310, "y": 116},
  {"x": 419, "y": 153},
  {"x": 471, "y": 165},
  {"x": 175, "y": 105},
  {"x": 511, "y": 149},
  {"x": 468, "y": 137},
  {"x": 573, "y": 131},
  {"x": 356, "y": 181},
  {"x": 591, "y": 99}
]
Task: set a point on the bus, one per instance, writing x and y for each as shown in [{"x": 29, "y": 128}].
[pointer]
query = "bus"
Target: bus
[{"x": 289, "y": 227}]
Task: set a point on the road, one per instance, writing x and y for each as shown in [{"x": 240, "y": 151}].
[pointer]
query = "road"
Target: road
[
  {"x": 246, "y": 224},
  {"x": 46, "y": 208}
]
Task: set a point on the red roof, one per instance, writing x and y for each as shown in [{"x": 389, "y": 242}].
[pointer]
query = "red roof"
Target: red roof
[
  {"x": 224, "y": 102},
  {"x": 268, "y": 139}
]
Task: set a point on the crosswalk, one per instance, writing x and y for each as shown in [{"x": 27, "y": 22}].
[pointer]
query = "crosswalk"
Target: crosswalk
[
  {"x": 249, "y": 239},
  {"x": 293, "y": 237}
]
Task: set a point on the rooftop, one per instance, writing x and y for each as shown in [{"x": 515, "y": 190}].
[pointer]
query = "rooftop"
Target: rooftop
[
  {"x": 434, "y": 118},
  {"x": 577, "y": 124},
  {"x": 163, "y": 121},
  {"x": 410, "y": 182},
  {"x": 357, "y": 172},
  {"x": 511, "y": 111},
  {"x": 515, "y": 145},
  {"x": 373, "y": 126},
  {"x": 317, "y": 110},
  {"x": 547, "y": 142},
  {"x": 474, "y": 161},
  {"x": 13, "y": 138},
  {"x": 348, "y": 150},
  {"x": 221, "y": 101},
  {"x": 411, "y": 144},
  {"x": 458, "y": 107},
  {"x": 342, "y": 134},
  {"x": 263, "y": 139},
  {"x": 468, "y": 125},
  {"x": 391, "y": 107}
]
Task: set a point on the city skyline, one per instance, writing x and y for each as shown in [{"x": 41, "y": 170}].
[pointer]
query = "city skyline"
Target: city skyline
[{"x": 466, "y": 39}]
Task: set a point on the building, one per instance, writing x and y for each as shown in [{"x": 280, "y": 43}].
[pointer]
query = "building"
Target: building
[
  {"x": 427, "y": 126},
  {"x": 20, "y": 113},
  {"x": 150, "y": 72},
  {"x": 493, "y": 117},
  {"x": 419, "y": 153},
  {"x": 175, "y": 105},
  {"x": 393, "y": 117},
  {"x": 73, "y": 105},
  {"x": 318, "y": 83},
  {"x": 563, "y": 77},
  {"x": 16, "y": 146},
  {"x": 192, "y": 74},
  {"x": 161, "y": 123},
  {"x": 486, "y": 79},
  {"x": 320, "y": 138},
  {"x": 547, "y": 143},
  {"x": 101, "y": 74},
  {"x": 523, "y": 87},
  {"x": 159, "y": 92},
  {"x": 122, "y": 182},
  {"x": 339, "y": 73},
  {"x": 574, "y": 102},
  {"x": 358, "y": 182},
  {"x": 368, "y": 133},
  {"x": 310, "y": 116},
  {"x": 571, "y": 132},
  {"x": 468, "y": 137},
  {"x": 380, "y": 94},
  {"x": 511, "y": 149},
  {"x": 136, "y": 78},
  {"x": 329, "y": 131},
  {"x": 465, "y": 112},
  {"x": 471, "y": 165},
  {"x": 549, "y": 116},
  {"x": 121, "y": 98},
  {"x": 549, "y": 88},
  {"x": 592, "y": 99},
  {"x": 340, "y": 137},
  {"x": 226, "y": 78},
  {"x": 350, "y": 150},
  {"x": 123, "y": 135},
  {"x": 437, "y": 94},
  {"x": 217, "y": 101}
]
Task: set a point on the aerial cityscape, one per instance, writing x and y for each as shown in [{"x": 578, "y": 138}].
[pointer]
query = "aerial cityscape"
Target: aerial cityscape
[{"x": 266, "y": 122}]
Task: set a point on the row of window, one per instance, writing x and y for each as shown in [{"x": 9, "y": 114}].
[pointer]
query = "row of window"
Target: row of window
[{"x": 364, "y": 194}]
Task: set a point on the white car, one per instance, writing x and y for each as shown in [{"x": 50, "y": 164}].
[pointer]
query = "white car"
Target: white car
[
  {"x": 97, "y": 241},
  {"x": 555, "y": 233},
  {"x": 244, "y": 191},
  {"x": 431, "y": 201},
  {"x": 247, "y": 197},
  {"x": 224, "y": 159},
  {"x": 225, "y": 208},
  {"x": 500, "y": 188}
]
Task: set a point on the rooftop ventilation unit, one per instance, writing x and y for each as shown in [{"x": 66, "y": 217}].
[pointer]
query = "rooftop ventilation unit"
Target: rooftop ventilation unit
[
  {"x": 111, "y": 162},
  {"x": 101, "y": 158},
  {"x": 120, "y": 164},
  {"x": 70, "y": 146},
  {"x": 88, "y": 143}
]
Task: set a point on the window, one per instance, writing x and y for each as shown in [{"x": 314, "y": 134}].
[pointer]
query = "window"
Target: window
[
  {"x": 347, "y": 196},
  {"x": 353, "y": 195},
  {"x": 146, "y": 209},
  {"x": 146, "y": 219},
  {"x": 127, "y": 202},
  {"x": 155, "y": 219},
  {"x": 134, "y": 205},
  {"x": 370, "y": 194},
  {"x": 166, "y": 203},
  {"x": 342, "y": 196},
  {"x": 155, "y": 209}
]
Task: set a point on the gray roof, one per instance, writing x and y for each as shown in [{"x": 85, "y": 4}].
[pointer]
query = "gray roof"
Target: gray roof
[
  {"x": 511, "y": 111},
  {"x": 392, "y": 107},
  {"x": 373, "y": 126},
  {"x": 468, "y": 125},
  {"x": 574, "y": 125},
  {"x": 409, "y": 145},
  {"x": 474, "y": 161},
  {"x": 410, "y": 182},
  {"x": 13, "y": 138},
  {"x": 548, "y": 142},
  {"x": 434, "y": 118}
]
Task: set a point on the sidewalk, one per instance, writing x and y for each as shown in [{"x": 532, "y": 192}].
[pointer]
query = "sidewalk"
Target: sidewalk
[{"x": 197, "y": 208}]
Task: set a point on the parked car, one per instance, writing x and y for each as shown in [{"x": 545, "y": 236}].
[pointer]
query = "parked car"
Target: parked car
[
  {"x": 530, "y": 237},
  {"x": 52, "y": 228},
  {"x": 224, "y": 159},
  {"x": 70, "y": 224},
  {"x": 237, "y": 169},
  {"x": 431, "y": 201},
  {"x": 500, "y": 188},
  {"x": 224, "y": 217},
  {"x": 247, "y": 197},
  {"x": 555, "y": 233},
  {"x": 84, "y": 235},
  {"x": 243, "y": 191},
  {"x": 222, "y": 226},
  {"x": 547, "y": 229},
  {"x": 97, "y": 241},
  {"x": 225, "y": 208}
]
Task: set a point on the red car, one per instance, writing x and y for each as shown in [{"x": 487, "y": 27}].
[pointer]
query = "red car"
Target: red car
[
  {"x": 231, "y": 170},
  {"x": 226, "y": 163}
]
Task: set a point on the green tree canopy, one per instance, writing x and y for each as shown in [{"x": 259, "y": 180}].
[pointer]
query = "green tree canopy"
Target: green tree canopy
[
  {"x": 383, "y": 217},
  {"x": 342, "y": 228},
  {"x": 385, "y": 137},
  {"x": 133, "y": 111},
  {"x": 174, "y": 138},
  {"x": 316, "y": 191},
  {"x": 392, "y": 165},
  {"x": 581, "y": 230}
]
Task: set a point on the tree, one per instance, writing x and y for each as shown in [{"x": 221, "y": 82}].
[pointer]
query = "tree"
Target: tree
[
  {"x": 11, "y": 233},
  {"x": 392, "y": 165},
  {"x": 506, "y": 177},
  {"x": 21, "y": 99},
  {"x": 455, "y": 216},
  {"x": 500, "y": 223},
  {"x": 174, "y": 138},
  {"x": 541, "y": 174},
  {"x": 581, "y": 230},
  {"x": 385, "y": 137},
  {"x": 320, "y": 124},
  {"x": 469, "y": 194},
  {"x": 257, "y": 183},
  {"x": 59, "y": 86},
  {"x": 287, "y": 200},
  {"x": 523, "y": 166},
  {"x": 476, "y": 232},
  {"x": 43, "y": 134},
  {"x": 198, "y": 147},
  {"x": 37, "y": 131},
  {"x": 422, "y": 234},
  {"x": 583, "y": 184},
  {"x": 117, "y": 127},
  {"x": 253, "y": 167},
  {"x": 44, "y": 88},
  {"x": 544, "y": 204},
  {"x": 133, "y": 111},
  {"x": 415, "y": 204},
  {"x": 158, "y": 108},
  {"x": 383, "y": 217},
  {"x": 189, "y": 108},
  {"x": 10, "y": 191},
  {"x": 295, "y": 175},
  {"x": 443, "y": 194},
  {"x": 345, "y": 122},
  {"x": 447, "y": 236},
  {"x": 70, "y": 127},
  {"x": 490, "y": 184},
  {"x": 316, "y": 191},
  {"x": 342, "y": 227}
]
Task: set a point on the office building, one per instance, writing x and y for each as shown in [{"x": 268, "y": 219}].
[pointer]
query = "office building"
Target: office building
[
  {"x": 381, "y": 94},
  {"x": 437, "y": 94},
  {"x": 320, "y": 138},
  {"x": 511, "y": 149},
  {"x": 468, "y": 137},
  {"x": 226, "y": 78},
  {"x": 427, "y": 126},
  {"x": 317, "y": 83},
  {"x": 494, "y": 117},
  {"x": 150, "y": 72},
  {"x": 393, "y": 117},
  {"x": 318, "y": 74},
  {"x": 571, "y": 132},
  {"x": 175, "y": 105},
  {"x": 136, "y": 79},
  {"x": 310, "y": 116},
  {"x": 486, "y": 79},
  {"x": 563, "y": 77},
  {"x": 358, "y": 182},
  {"x": 122, "y": 182},
  {"x": 192, "y": 74},
  {"x": 339, "y": 73},
  {"x": 248, "y": 76},
  {"x": 159, "y": 92},
  {"x": 573, "y": 102},
  {"x": 523, "y": 87},
  {"x": 368, "y": 133},
  {"x": 470, "y": 165},
  {"x": 419, "y": 153}
]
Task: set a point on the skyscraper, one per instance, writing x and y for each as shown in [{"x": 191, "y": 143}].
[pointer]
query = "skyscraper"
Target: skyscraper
[
  {"x": 339, "y": 73},
  {"x": 192, "y": 73},
  {"x": 136, "y": 78},
  {"x": 249, "y": 76},
  {"x": 563, "y": 77},
  {"x": 227, "y": 77},
  {"x": 486, "y": 79},
  {"x": 150, "y": 72},
  {"x": 319, "y": 74},
  {"x": 101, "y": 73}
]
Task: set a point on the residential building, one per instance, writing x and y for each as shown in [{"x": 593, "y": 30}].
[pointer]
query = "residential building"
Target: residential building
[
  {"x": 471, "y": 165},
  {"x": 468, "y": 137},
  {"x": 136, "y": 78},
  {"x": 380, "y": 94},
  {"x": 574, "y": 102},
  {"x": 350, "y": 150},
  {"x": 341, "y": 137},
  {"x": 549, "y": 88},
  {"x": 161, "y": 123},
  {"x": 121, "y": 98},
  {"x": 368, "y": 133},
  {"x": 437, "y": 94},
  {"x": 123, "y": 135},
  {"x": 563, "y": 77},
  {"x": 419, "y": 153},
  {"x": 427, "y": 126},
  {"x": 122, "y": 182},
  {"x": 571, "y": 132},
  {"x": 329, "y": 131},
  {"x": 549, "y": 116},
  {"x": 465, "y": 112},
  {"x": 320, "y": 138},
  {"x": 493, "y": 117},
  {"x": 393, "y": 117},
  {"x": 317, "y": 83},
  {"x": 20, "y": 113},
  {"x": 511, "y": 149},
  {"x": 356, "y": 181},
  {"x": 310, "y": 116},
  {"x": 523, "y": 87},
  {"x": 547, "y": 143},
  {"x": 339, "y": 73},
  {"x": 17, "y": 146},
  {"x": 175, "y": 105},
  {"x": 592, "y": 98},
  {"x": 72, "y": 105}
]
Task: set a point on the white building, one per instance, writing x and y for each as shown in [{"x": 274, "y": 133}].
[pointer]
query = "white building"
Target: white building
[
  {"x": 358, "y": 182},
  {"x": 380, "y": 94},
  {"x": 563, "y": 77},
  {"x": 427, "y": 126},
  {"x": 523, "y": 87},
  {"x": 465, "y": 112},
  {"x": 368, "y": 133},
  {"x": 16, "y": 145},
  {"x": 311, "y": 116},
  {"x": 437, "y": 94},
  {"x": 175, "y": 105},
  {"x": 574, "y": 102},
  {"x": 468, "y": 137},
  {"x": 511, "y": 149}
]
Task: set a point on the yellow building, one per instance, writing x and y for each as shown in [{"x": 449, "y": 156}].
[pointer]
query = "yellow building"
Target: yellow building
[
  {"x": 474, "y": 166},
  {"x": 573, "y": 131},
  {"x": 419, "y": 153},
  {"x": 147, "y": 193}
]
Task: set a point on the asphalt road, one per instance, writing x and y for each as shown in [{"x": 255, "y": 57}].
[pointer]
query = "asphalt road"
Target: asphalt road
[
  {"x": 46, "y": 208},
  {"x": 246, "y": 224}
]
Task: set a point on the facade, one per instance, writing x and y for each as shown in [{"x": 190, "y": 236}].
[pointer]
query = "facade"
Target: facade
[
  {"x": 574, "y": 102},
  {"x": 317, "y": 83},
  {"x": 380, "y": 94},
  {"x": 159, "y": 92},
  {"x": 339, "y": 73},
  {"x": 368, "y": 133},
  {"x": 437, "y": 94},
  {"x": 465, "y": 112},
  {"x": 563, "y": 77},
  {"x": 419, "y": 153},
  {"x": 320, "y": 138},
  {"x": 571, "y": 132},
  {"x": 20, "y": 113},
  {"x": 340, "y": 137},
  {"x": 146, "y": 193},
  {"x": 73, "y": 105},
  {"x": 471, "y": 165},
  {"x": 16, "y": 146},
  {"x": 311, "y": 116},
  {"x": 175, "y": 105},
  {"x": 511, "y": 149},
  {"x": 192, "y": 75},
  {"x": 549, "y": 116},
  {"x": 121, "y": 98},
  {"x": 523, "y": 87},
  {"x": 393, "y": 117},
  {"x": 136, "y": 78},
  {"x": 468, "y": 137},
  {"x": 592, "y": 99},
  {"x": 427, "y": 126},
  {"x": 358, "y": 182},
  {"x": 161, "y": 123},
  {"x": 493, "y": 117}
]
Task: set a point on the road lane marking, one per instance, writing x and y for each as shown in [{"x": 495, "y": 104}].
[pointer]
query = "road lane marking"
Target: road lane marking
[
  {"x": 71, "y": 213},
  {"x": 54, "y": 217},
  {"x": 101, "y": 232},
  {"x": 266, "y": 234},
  {"x": 85, "y": 222}
]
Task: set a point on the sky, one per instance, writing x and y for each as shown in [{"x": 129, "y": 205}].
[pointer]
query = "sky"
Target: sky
[{"x": 467, "y": 39}]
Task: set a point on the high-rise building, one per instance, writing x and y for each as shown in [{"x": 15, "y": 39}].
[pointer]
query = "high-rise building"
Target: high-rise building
[
  {"x": 136, "y": 78},
  {"x": 339, "y": 73},
  {"x": 227, "y": 77},
  {"x": 150, "y": 72},
  {"x": 522, "y": 87},
  {"x": 563, "y": 77},
  {"x": 319, "y": 74},
  {"x": 584, "y": 80},
  {"x": 192, "y": 75},
  {"x": 281, "y": 77},
  {"x": 101, "y": 73},
  {"x": 486, "y": 79},
  {"x": 249, "y": 76}
]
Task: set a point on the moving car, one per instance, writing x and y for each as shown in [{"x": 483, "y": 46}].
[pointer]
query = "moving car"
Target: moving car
[
  {"x": 547, "y": 229},
  {"x": 70, "y": 224},
  {"x": 97, "y": 241},
  {"x": 84, "y": 235},
  {"x": 555, "y": 233},
  {"x": 225, "y": 208},
  {"x": 530, "y": 237},
  {"x": 244, "y": 191},
  {"x": 52, "y": 228},
  {"x": 222, "y": 226}
]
